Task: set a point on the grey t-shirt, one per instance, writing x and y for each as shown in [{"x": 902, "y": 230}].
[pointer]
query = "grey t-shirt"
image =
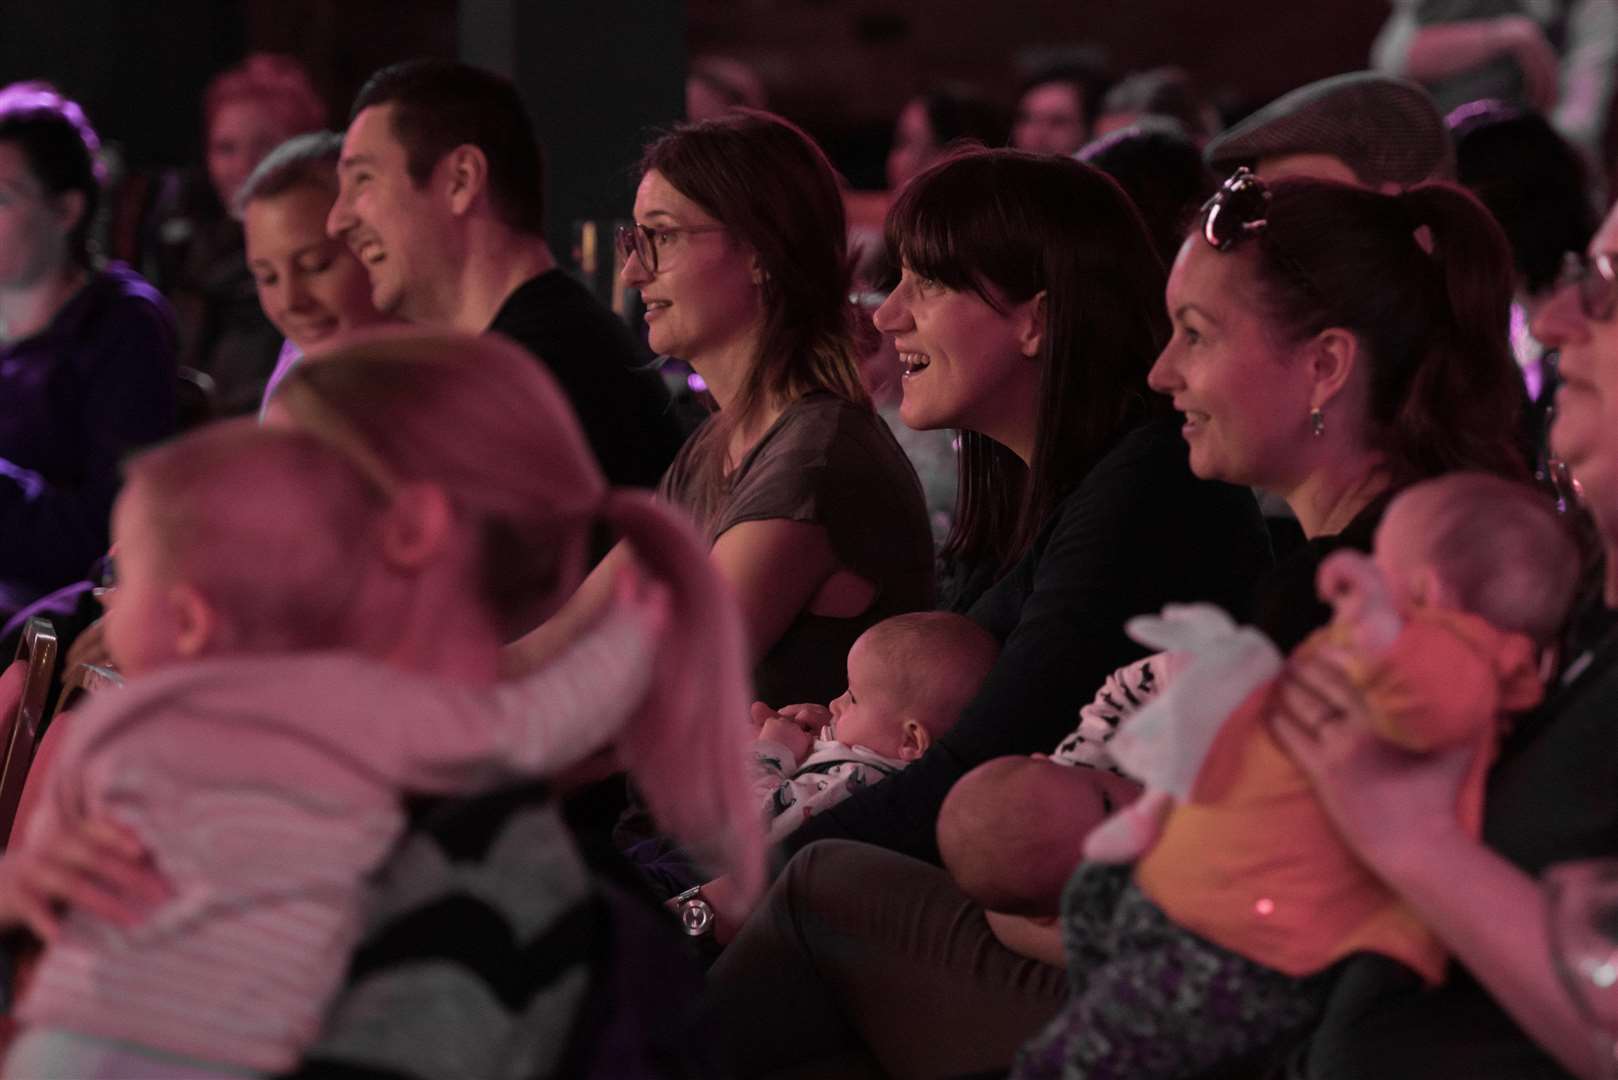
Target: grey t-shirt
[{"x": 834, "y": 464}]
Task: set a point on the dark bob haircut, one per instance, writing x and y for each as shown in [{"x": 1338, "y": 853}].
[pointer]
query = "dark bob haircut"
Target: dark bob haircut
[{"x": 1007, "y": 225}]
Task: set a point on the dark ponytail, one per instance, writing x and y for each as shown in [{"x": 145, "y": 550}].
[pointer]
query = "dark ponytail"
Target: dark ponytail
[
  {"x": 1462, "y": 407},
  {"x": 1424, "y": 281}
]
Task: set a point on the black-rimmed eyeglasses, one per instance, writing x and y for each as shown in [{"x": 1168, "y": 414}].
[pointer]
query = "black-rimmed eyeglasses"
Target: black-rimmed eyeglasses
[{"x": 644, "y": 242}]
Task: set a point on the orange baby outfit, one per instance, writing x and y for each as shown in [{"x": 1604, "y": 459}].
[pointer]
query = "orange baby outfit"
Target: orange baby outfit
[{"x": 1252, "y": 863}]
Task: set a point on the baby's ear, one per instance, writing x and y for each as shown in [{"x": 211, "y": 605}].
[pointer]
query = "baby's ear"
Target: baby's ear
[
  {"x": 416, "y": 525},
  {"x": 196, "y": 623},
  {"x": 914, "y": 739},
  {"x": 1428, "y": 589}
]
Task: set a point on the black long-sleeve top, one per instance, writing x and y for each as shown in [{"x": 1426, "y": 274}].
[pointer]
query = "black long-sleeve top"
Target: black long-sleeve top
[{"x": 1139, "y": 531}]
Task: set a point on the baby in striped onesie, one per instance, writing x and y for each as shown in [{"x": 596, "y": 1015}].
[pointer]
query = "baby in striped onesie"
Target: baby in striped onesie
[{"x": 262, "y": 768}]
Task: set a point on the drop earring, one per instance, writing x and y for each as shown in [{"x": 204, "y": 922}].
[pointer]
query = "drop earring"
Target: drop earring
[{"x": 1317, "y": 423}]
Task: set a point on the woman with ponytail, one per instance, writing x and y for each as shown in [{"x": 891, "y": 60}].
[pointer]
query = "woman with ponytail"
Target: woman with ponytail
[
  {"x": 472, "y": 426},
  {"x": 474, "y": 420},
  {"x": 433, "y": 495},
  {"x": 1333, "y": 344}
]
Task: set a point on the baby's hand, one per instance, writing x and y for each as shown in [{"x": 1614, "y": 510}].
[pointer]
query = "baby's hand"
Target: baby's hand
[
  {"x": 808, "y": 716},
  {"x": 1358, "y": 593},
  {"x": 782, "y": 730}
]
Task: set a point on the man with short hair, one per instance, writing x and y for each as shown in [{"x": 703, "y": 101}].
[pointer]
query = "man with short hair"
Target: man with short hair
[
  {"x": 1361, "y": 128},
  {"x": 442, "y": 200}
]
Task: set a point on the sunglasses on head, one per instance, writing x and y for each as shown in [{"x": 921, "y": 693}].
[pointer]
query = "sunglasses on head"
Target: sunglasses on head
[
  {"x": 1240, "y": 209},
  {"x": 1236, "y": 211},
  {"x": 1596, "y": 279}
]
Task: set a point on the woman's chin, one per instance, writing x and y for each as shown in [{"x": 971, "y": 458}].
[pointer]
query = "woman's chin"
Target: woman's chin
[{"x": 918, "y": 416}]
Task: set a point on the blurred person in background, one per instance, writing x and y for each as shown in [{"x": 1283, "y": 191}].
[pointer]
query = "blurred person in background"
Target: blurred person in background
[
  {"x": 1556, "y": 57},
  {"x": 1535, "y": 183},
  {"x": 197, "y": 253},
  {"x": 1056, "y": 104},
  {"x": 714, "y": 85},
  {"x": 937, "y": 117},
  {"x": 1160, "y": 168},
  {"x": 87, "y": 368},
  {"x": 1162, "y": 91},
  {"x": 311, "y": 287}
]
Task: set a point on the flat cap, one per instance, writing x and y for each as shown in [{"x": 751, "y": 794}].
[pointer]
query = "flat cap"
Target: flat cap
[{"x": 1387, "y": 130}]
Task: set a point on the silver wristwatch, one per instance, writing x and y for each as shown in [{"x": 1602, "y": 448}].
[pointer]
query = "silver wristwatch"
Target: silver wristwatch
[{"x": 696, "y": 914}]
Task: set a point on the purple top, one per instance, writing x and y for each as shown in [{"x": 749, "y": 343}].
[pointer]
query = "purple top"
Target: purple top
[{"x": 76, "y": 397}]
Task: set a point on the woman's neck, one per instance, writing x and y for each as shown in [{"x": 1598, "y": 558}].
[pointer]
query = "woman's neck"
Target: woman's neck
[
  {"x": 1328, "y": 499},
  {"x": 27, "y": 310},
  {"x": 725, "y": 370},
  {"x": 724, "y": 367},
  {"x": 1012, "y": 417}
]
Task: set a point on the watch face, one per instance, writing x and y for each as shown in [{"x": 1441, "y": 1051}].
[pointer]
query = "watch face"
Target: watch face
[{"x": 696, "y": 916}]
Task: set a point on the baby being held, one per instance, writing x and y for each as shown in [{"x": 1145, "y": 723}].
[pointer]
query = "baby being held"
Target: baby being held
[
  {"x": 909, "y": 678},
  {"x": 1447, "y": 631},
  {"x": 262, "y": 770}
]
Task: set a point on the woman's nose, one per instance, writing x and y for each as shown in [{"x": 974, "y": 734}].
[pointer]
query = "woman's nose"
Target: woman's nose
[
  {"x": 1163, "y": 377},
  {"x": 894, "y": 313}
]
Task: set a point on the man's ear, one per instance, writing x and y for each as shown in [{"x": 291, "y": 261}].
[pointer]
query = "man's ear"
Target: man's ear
[
  {"x": 196, "y": 623},
  {"x": 1333, "y": 354},
  {"x": 914, "y": 739},
  {"x": 466, "y": 178},
  {"x": 1031, "y": 317},
  {"x": 415, "y": 526}
]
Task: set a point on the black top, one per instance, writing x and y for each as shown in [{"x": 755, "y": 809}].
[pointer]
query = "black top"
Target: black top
[
  {"x": 834, "y": 464},
  {"x": 620, "y": 400},
  {"x": 1553, "y": 797},
  {"x": 1288, "y": 607},
  {"x": 76, "y": 397},
  {"x": 1138, "y": 532}
]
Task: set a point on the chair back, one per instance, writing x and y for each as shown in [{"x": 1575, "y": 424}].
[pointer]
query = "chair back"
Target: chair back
[
  {"x": 20, "y": 727},
  {"x": 83, "y": 679}
]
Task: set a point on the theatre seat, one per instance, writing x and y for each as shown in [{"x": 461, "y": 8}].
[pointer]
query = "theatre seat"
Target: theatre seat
[{"x": 23, "y": 690}]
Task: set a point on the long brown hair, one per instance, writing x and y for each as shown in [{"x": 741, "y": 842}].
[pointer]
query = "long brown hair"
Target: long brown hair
[
  {"x": 773, "y": 189},
  {"x": 1005, "y": 224}
]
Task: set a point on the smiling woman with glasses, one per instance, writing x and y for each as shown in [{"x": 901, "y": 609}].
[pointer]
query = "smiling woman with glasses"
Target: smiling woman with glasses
[{"x": 814, "y": 515}]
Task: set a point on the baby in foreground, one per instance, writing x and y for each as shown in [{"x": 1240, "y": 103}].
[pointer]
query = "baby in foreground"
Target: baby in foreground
[
  {"x": 262, "y": 770},
  {"x": 909, "y": 679},
  {"x": 1244, "y": 897}
]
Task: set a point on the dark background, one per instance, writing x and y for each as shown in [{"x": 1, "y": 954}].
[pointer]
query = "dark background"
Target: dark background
[{"x": 601, "y": 74}]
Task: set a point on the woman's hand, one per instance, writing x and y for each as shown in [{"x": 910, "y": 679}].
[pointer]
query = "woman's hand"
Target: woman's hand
[
  {"x": 97, "y": 865},
  {"x": 1390, "y": 805}
]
